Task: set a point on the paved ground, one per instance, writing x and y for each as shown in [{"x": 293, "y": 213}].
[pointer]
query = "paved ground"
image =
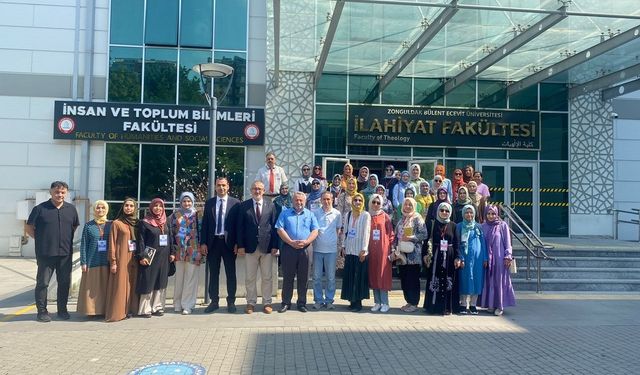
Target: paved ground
[{"x": 544, "y": 334}]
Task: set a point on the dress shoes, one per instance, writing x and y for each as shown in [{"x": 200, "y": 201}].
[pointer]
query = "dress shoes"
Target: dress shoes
[
  {"x": 267, "y": 309},
  {"x": 231, "y": 308},
  {"x": 213, "y": 306},
  {"x": 158, "y": 313},
  {"x": 302, "y": 308},
  {"x": 249, "y": 309},
  {"x": 283, "y": 308},
  {"x": 64, "y": 315}
]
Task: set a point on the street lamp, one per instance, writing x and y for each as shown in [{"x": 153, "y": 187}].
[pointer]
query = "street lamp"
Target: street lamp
[{"x": 213, "y": 71}]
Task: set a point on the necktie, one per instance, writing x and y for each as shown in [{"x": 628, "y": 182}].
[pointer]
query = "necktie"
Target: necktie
[
  {"x": 258, "y": 211},
  {"x": 219, "y": 219},
  {"x": 272, "y": 181}
]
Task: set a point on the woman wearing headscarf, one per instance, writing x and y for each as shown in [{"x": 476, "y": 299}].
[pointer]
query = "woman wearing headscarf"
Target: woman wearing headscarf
[
  {"x": 347, "y": 173},
  {"x": 408, "y": 193},
  {"x": 380, "y": 263},
  {"x": 314, "y": 200},
  {"x": 411, "y": 229},
  {"x": 335, "y": 188},
  {"x": 389, "y": 180},
  {"x": 363, "y": 177},
  {"x": 441, "y": 197},
  {"x": 462, "y": 200},
  {"x": 284, "y": 199},
  {"x": 386, "y": 203},
  {"x": 442, "y": 292},
  {"x": 153, "y": 274},
  {"x": 416, "y": 179},
  {"x": 357, "y": 230},
  {"x": 446, "y": 183},
  {"x": 398, "y": 190},
  {"x": 478, "y": 201},
  {"x": 370, "y": 188},
  {"x": 345, "y": 197},
  {"x": 92, "y": 296},
  {"x": 456, "y": 183},
  {"x": 122, "y": 300},
  {"x": 303, "y": 183},
  {"x": 424, "y": 198},
  {"x": 184, "y": 228},
  {"x": 497, "y": 292},
  {"x": 474, "y": 259},
  {"x": 317, "y": 174}
]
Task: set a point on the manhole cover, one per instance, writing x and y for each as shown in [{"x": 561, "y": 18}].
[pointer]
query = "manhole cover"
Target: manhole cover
[{"x": 174, "y": 368}]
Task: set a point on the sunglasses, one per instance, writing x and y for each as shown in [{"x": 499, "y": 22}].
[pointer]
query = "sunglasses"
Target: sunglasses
[
  {"x": 305, "y": 169},
  {"x": 458, "y": 174},
  {"x": 388, "y": 169},
  {"x": 315, "y": 183},
  {"x": 375, "y": 202},
  {"x": 444, "y": 211},
  {"x": 316, "y": 167},
  {"x": 357, "y": 200}
]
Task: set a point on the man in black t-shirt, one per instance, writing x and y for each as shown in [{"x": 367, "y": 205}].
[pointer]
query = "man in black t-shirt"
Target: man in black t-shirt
[{"x": 52, "y": 224}]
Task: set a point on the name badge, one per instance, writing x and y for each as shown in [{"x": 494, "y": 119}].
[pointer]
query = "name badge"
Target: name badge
[
  {"x": 444, "y": 245},
  {"x": 376, "y": 234},
  {"x": 164, "y": 240},
  {"x": 102, "y": 245},
  {"x": 182, "y": 232},
  {"x": 351, "y": 233},
  {"x": 132, "y": 245}
]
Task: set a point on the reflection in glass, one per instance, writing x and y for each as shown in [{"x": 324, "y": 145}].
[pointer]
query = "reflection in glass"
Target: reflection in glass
[
  {"x": 126, "y": 21},
  {"x": 463, "y": 95},
  {"x": 525, "y": 99},
  {"x": 427, "y": 152},
  {"x": 332, "y": 88},
  {"x": 398, "y": 91},
  {"x": 160, "y": 75},
  {"x": 196, "y": 23},
  {"x": 125, "y": 74},
  {"x": 395, "y": 151},
  {"x": 554, "y": 97},
  {"x": 492, "y": 94},
  {"x": 156, "y": 176},
  {"x": 554, "y": 198},
  {"x": 359, "y": 87},
  {"x": 362, "y": 150},
  {"x": 236, "y": 94},
  {"x": 121, "y": 171},
  {"x": 162, "y": 23},
  {"x": 189, "y": 92},
  {"x": 331, "y": 129},
  {"x": 425, "y": 91},
  {"x": 231, "y": 24},
  {"x": 555, "y": 133}
]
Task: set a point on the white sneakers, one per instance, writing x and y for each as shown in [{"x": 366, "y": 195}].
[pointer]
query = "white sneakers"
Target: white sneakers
[
  {"x": 376, "y": 307},
  {"x": 498, "y": 312},
  {"x": 384, "y": 308},
  {"x": 186, "y": 312}
]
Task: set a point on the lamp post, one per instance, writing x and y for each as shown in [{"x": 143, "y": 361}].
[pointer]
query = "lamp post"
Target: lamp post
[{"x": 213, "y": 71}]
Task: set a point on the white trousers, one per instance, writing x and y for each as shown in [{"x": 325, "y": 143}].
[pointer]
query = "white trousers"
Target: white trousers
[
  {"x": 265, "y": 263},
  {"x": 152, "y": 302},
  {"x": 186, "y": 288}
]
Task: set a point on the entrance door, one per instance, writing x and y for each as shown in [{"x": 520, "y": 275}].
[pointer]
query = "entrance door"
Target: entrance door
[
  {"x": 333, "y": 166},
  {"x": 514, "y": 184},
  {"x": 427, "y": 168}
]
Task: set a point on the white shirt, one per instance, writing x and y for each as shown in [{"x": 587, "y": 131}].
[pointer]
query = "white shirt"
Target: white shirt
[{"x": 279, "y": 177}]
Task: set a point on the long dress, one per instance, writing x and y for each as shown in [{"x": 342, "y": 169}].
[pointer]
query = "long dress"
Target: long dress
[
  {"x": 497, "y": 292},
  {"x": 188, "y": 259},
  {"x": 121, "y": 296},
  {"x": 442, "y": 295},
  {"x": 156, "y": 275},
  {"x": 379, "y": 245},
  {"x": 92, "y": 296},
  {"x": 473, "y": 252},
  {"x": 355, "y": 279}
]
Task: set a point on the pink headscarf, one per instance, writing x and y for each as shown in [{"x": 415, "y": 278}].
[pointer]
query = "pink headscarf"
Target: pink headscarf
[{"x": 153, "y": 219}]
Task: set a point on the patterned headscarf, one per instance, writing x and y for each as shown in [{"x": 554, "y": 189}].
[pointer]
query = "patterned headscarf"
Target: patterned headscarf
[
  {"x": 188, "y": 212},
  {"x": 158, "y": 220},
  {"x": 100, "y": 219}
]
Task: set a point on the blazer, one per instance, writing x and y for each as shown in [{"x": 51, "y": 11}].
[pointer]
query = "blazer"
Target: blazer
[
  {"x": 253, "y": 235},
  {"x": 208, "y": 229}
]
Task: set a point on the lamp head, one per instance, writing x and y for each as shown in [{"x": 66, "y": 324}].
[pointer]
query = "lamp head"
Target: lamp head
[{"x": 213, "y": 70}]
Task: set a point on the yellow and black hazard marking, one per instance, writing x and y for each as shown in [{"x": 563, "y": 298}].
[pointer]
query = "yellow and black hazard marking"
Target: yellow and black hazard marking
[
  {"x": 554, "y": 204},
  {"x": 496, "y": 189},
  {"x": 529, "y": 190},
  {"x": 521, "y": 204},
  {"x": 554, "y": 190},
  {"x": 522, "y": 190}
]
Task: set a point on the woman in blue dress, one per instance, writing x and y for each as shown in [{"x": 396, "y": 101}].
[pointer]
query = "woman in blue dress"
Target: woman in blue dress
[{"x": 474, "y": 259}]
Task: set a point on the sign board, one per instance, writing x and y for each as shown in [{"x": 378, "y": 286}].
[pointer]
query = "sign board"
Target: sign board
[
  {"x": 154, "y": 123},
  {"x": 452, "y": 127}
]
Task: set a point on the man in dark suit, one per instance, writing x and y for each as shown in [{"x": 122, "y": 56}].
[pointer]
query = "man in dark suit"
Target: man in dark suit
[
  {"x": 258, "y": 243},
  {"x": 218, "y": 242}
]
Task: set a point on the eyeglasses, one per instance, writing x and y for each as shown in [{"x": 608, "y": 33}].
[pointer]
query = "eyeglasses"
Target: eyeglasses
[
  {"x": 305, "y": 169},
  {"x": 375, "y": 202},
  {"x": 447, "y": 211},
  {"x": 315, "y": 183}
]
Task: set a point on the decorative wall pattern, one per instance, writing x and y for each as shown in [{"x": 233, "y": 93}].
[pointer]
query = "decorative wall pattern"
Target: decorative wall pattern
[
  {"x": 289, "y": 130},
  {"x": 591, "y": 154}
]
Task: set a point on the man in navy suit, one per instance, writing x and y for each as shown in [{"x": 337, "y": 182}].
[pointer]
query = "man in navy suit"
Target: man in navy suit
[
  {"x": 218, "y": 242},
  {"x": 258, "y": 243}
]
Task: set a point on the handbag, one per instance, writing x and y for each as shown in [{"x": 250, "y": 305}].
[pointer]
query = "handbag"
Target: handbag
[
  {"x": 399, "y": 257},
  {"x": 513, "y": 268},
  {"x": 406, "y": 246},
  {"x": 172, "y": 268},
  {"x": 148, "y": 254}
]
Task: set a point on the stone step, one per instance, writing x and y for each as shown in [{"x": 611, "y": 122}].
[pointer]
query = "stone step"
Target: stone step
[
  {"x": 617, "y": 254},
  {"x": 582, "y": 273},
  {"x": 581, "y": 285},
  {"x": 585, "y": 262}
]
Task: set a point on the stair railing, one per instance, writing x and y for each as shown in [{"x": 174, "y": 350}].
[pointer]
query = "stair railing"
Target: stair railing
[
  {"x": 530, "y": 241},
  {"x": 617, "y": 220}
]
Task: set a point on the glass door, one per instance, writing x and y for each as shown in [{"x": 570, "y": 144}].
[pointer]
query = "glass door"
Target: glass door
[
  {"x": 427, "y": 168},
  {"x": 333, "y": 166},
  {"x": 514, "y": 184}
]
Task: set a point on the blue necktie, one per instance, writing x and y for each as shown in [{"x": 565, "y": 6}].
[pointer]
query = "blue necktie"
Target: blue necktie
[{"x": 219, "y": 220}]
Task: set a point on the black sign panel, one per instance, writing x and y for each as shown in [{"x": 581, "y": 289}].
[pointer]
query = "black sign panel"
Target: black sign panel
[
  {"x": 147, "y": 123},
  {"x": 453, "y": 127}
]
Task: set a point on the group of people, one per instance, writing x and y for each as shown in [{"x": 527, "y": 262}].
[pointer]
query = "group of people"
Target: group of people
[{"x": 359, "y": 223}]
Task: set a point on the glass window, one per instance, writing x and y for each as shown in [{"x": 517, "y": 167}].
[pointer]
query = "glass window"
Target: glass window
[
  {"x": 196, "y": 23},
  {"x": 126, "y": 21},
  {"x": 236, "y": 92},
  {"x": 192, "y": 171},
  {"x": 492, "y": 154},
  {"x": 230, "y": 163},
  {"x": 156, "y": 172},
  {"x": 398, "y": 92},
  {"x": 492, "y": 94},
  {"x": 463, "y": 95},
  {"x": 189, "y": 81},
  {"x": 125, "y": 74},
  {"x": 554, "y": 97},
  {"x": 451, "y": 165},
  {"x": 359, "y": 88},
  {"x": 331, "y": 129},
  {"x": 160, "y": 69},
  {"x": 525, "y": 99},
  {"x": 461, "y": 153},
  {"x": 395, "y": 151},
  {"x": 363, "y": 150},
  {"x": 523, "y": 155},
  {"x": 554, "y": 142},
  {"x": 121, "y": 171},
  {"x": 427, "y": 152},
  {"x": 425, "y": 91},
  {"x": 231, "y": 24},
  {"x": 332, "y": 88},
  {"x": 162, "y": 23},
  {"x": 554, "y": 198}
]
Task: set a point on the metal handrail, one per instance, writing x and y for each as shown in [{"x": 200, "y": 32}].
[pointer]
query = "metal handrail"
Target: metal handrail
[
  {"x": 616, "y": 219},
  {"x": 533, "y": 244}
]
